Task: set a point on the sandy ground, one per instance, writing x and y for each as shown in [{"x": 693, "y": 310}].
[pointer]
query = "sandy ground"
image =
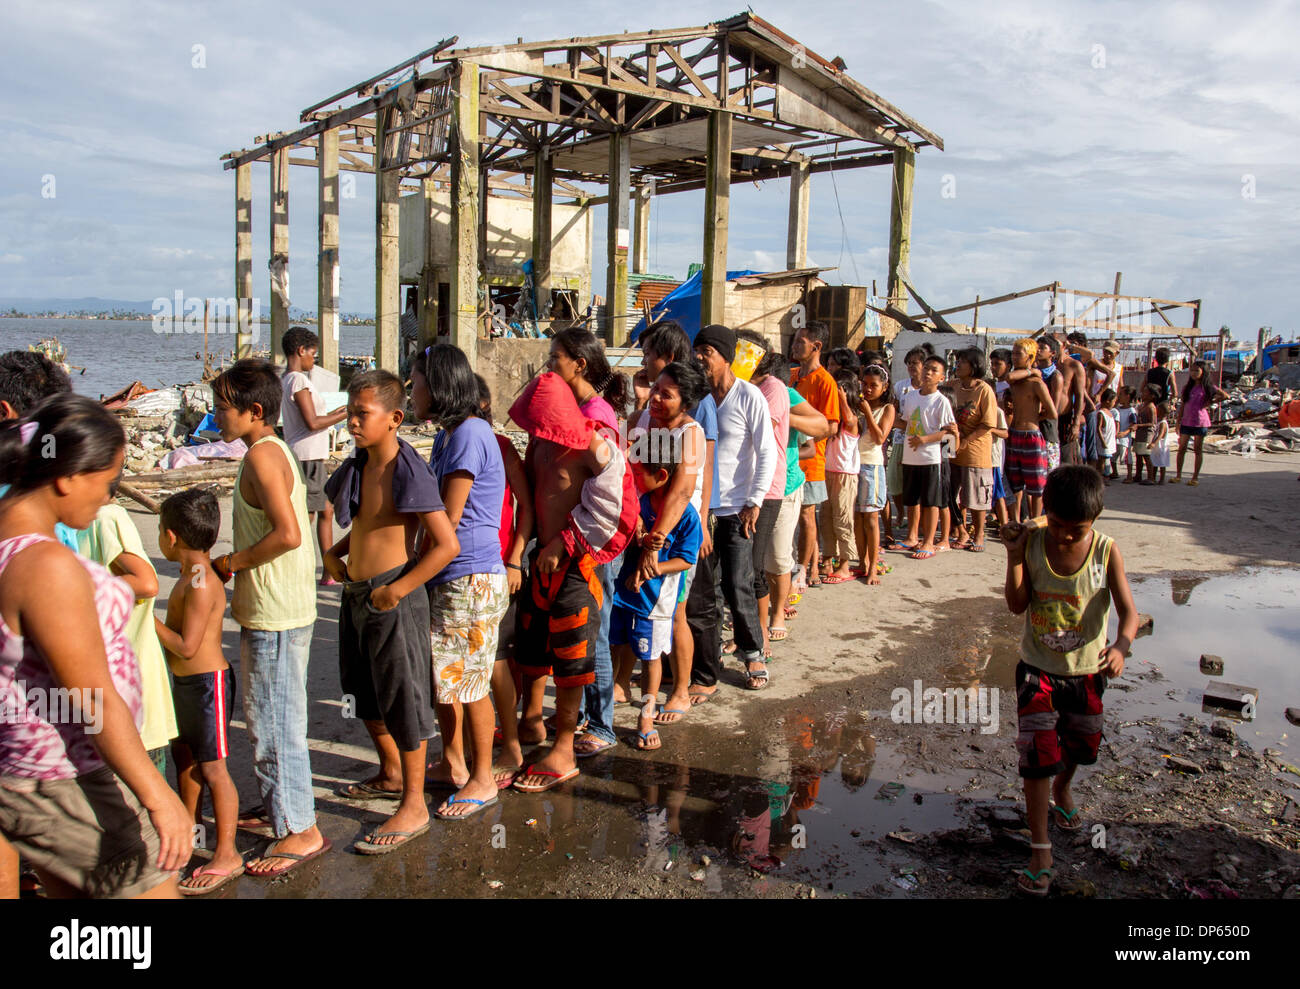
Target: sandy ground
[{"x": 642, "y": 823}]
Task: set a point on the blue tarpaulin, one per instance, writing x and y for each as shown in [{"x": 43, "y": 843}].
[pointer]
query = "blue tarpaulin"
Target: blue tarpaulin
[
  {"x": 683, "y": 305},
  {"x": 1270, "y": 352}
]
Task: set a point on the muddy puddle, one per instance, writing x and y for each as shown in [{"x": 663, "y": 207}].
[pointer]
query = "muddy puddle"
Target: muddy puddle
[{"x": 828, "y": 792}]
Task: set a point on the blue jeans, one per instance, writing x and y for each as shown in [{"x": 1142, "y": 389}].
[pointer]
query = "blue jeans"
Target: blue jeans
[
  {"x": 274, "y": 667},
  {"x": 597, "y": 704}
]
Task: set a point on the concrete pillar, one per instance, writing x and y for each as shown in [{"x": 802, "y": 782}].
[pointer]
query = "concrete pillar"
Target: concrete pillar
[
  {"x": 428, "y": 274},
  {"x": 244, "y": 260},
  {"x": 463, "y": 145},
  {"x": 388, "y": 291},
  {"x": 900, "y": 225},
  {"x": 279, "y": 250},
  {"x": 796, "y": 236},
  {"x": 327, "y": 263},
  {"x": 641, "y": 238},
  {"x": 617, "y": 237},
  {"x": 543, "y": 231},
  {"x": 717, "y": 205}
]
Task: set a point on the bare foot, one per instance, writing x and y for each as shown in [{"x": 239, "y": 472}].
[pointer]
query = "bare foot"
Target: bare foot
[
  {"x": 213, "y": 872},
  {"x": 941, "y": 547},
  {"x": 701, "y": 694},
  {"x": 470, "y": 791},
  {"x": 406, "y": 819},
  {"x": 440, "y": 772},
  {"x": 873, "y": 577},
  {"x": 678, "y": 700},
  {"x": 532, "y": 731},
  {"x": 622, "y": 693},
  {"x": 551, "y": 763},
  {"x": 647, "y": 734}
]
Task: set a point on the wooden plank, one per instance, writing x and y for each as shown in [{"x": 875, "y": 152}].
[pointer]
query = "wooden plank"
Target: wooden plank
[
  {"x": 617, "y": 235},
  {"x": 361, "y": 86},
  {"x": 279, "y": 246},
  {"x": 243, "y": 260},
  {"x": 690, "y": 73},
  {"x": 327, "y": 255},
  {"x": 464, "y": 148},
  {"x": 388, "y": 294},
  {"x": 900, "y": 224},
  {"x": 717, "y": 212}
]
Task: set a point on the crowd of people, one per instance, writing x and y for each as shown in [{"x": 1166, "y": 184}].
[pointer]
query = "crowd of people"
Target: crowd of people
[{"x": 470, "y": 579}]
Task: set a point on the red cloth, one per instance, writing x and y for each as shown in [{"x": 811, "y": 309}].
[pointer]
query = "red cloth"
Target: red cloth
[
  {"x": 507, "y": 504},
  {"x": 547, "y": 410}
]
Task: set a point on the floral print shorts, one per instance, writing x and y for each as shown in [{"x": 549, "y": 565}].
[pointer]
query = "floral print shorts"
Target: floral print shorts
[{"x": 464, "y": 619}]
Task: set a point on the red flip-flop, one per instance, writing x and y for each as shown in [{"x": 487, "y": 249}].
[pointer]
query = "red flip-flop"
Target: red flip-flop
[
  {"x": 556, "y": 779},
  {"x": 836, "y": 579}
]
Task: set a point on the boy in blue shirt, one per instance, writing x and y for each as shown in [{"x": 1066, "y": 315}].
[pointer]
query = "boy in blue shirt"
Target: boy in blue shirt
[{"x": 641, "y": 623}]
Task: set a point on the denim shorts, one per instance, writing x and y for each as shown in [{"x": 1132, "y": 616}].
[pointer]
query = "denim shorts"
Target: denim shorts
[
  {"x": 650, "y": 638},
  {"x": 872, "y": 490},
  {"x": 814, "y": 493}
]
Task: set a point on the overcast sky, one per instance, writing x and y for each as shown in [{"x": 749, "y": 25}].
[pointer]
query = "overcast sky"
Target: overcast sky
[{"x": 1159, "y": 139}]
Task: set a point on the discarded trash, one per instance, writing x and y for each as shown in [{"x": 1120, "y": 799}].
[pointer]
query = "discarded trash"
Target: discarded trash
[
  {"x": 1184, "y": 765},
  {"x": 1223, "y": 729},
  {"x": 698, "y": 875},
  {"x": 1212, "y": 665},
  {"x": 890, "y": 791},
  {"x": 1146, "y": 625},
  {"x": 530, "y": 822},
  {"x": 1293, "y": 715},
  {"x": 906, "y": 837},
  {"x": 495, "y": 884}
]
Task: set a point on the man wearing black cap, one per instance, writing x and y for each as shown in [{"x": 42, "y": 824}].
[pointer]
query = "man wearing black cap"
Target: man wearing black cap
[{"x": 743, "y": 463}]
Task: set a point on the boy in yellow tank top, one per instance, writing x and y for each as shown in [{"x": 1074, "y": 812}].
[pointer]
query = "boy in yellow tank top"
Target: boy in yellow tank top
[
  {"x": 274, "y": 566},
  {"x": 1063, "y": 576}
]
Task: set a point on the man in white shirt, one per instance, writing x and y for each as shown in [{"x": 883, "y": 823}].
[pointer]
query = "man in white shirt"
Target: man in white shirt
[{"x": 744, "y": 461}]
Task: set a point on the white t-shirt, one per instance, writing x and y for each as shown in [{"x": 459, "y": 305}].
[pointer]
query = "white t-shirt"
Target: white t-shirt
[
  {"x": 746, "y": 455},
  {"x": 924, "y": 414},
  {"x": 999, "y": 444},
  {"x": 901, "y": 390},
  {"x": 305, "y": 444},
  {"x": 1106, "y": 427}
]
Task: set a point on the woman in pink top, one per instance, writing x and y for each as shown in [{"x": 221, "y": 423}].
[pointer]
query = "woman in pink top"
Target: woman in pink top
[
  {"x": 69, "y": 682},
  {"x": 1194, "y": 422}
]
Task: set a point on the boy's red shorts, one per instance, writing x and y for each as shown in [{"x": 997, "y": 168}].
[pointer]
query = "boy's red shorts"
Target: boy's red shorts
[
  {"x": 1059, "y": 718},
  {"x": 558, "y": 621}
]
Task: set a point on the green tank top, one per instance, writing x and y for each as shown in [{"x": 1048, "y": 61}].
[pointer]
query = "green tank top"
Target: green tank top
[
  {"x": 1065, "y": 626},
  {"x": 281, "y": 594}
]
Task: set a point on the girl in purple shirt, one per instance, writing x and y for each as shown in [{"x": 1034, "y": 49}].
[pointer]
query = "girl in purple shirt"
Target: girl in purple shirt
[{"x": 1194, "y": 422}]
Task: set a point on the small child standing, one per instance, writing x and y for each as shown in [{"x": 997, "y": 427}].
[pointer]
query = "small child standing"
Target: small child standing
[
  {"x": 205, "y": 684},
  {"x": 877, "y": 413},
  {"x": 1106, "y": 431},
  {"x": 999, "y": 434},
  {"x": 306, "y": 428},
  {"x": 113, "y": 541},
  {"x": 843, "y": 462},
  {"x": 1160, "y": 443},
  {"x": 1144, "y": 430},
  {"x": 926, "y": 416},
  {"x": 1064, "y": 658},
  {"x": 1125, "y": 417},
  {"x": 641, "y": 622}
]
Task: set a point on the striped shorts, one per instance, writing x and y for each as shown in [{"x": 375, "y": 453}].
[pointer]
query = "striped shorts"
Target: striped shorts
[{"x": 1026, "y": 462}]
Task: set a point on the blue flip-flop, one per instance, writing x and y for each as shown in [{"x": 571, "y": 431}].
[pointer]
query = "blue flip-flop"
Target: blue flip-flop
[
  {"x": 482, "y": 805},
  {"x": 668, "y": 710}
]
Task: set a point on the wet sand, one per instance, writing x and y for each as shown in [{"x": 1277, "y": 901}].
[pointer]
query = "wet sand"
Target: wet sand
[{"x": 784, "y": 791}]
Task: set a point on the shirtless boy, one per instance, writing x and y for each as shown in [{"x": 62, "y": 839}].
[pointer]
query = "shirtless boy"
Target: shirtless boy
[
  {"x": 203, "y": 684},
  {"x": 559, "y": 611},
  {"x": 389, "y": 495},
  {"x": 1026, "y": 468}
]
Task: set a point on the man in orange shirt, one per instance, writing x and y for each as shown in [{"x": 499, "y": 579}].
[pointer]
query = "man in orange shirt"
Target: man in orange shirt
[{"x": 818, "y": 388}]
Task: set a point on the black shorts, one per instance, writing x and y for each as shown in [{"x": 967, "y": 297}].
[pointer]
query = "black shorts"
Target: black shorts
[
  {"x": 923, "y": 484},
  {"x": 1193, "y": 430},
  {"x": 386, "y": 659},
  {"x": 203, "y": 702},
  {"x": 558, "y": 622},
  {"x": 313, "y": 476}
]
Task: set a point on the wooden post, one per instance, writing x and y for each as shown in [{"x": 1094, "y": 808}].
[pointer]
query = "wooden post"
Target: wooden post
[
  {"x": 279, "y": 250},
  {"x": 464, "y": 149},
  {"x": 428, "y": 272},
  {"x": 796, "y": 230},
  {"x": 388, "y": 291},
  {"x": 205, "y": 331},
  {"x": 243, "y": 260},
  {"x": 975, "y": 317},
  {"x": 900, "y": 225},
  {"x": 543, "y": 212},
  {"x": 1223, "y": 342},
  {"x": 717, "y": 213},
  {"x": 617, "y": 236},
  {"x": 327, "y": 256},
  {"x": 1114, "y": 306},
  {"x": 641, "y": 239}
]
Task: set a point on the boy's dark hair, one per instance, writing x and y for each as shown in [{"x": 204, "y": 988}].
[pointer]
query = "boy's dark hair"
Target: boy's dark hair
[
  {"x": 667, "y": 339},
  {"x": 1162, "y": 355},
  {"x": 484, "y": 410},
  {"x": 932, "y": 359},
  {"x": 845, "y": 358},
  {"x": 27, "y": 377},
  {"x": 195, "y": 516},
  {"x": 978, "y": 362},
  {"x": 248, "y": 382},
  {"x": 453, "y": 389},
  {"x": 690, "y": 381},
  {"x": 847, "y": 379},
  {"x": 922, "y": 351},
  {"x": 868, "y": 357},
  {"x": 1108, "y": 395},
  {"x": 73, "y": 435},
  {"x": 1075, "y": 336},
  {"x": 774, "y": 363},
  {"x": 297, "y": 338},
  {"x": 816, "y": 332},
  {"x": 1047, "y": 345},
  {"x": 663, "y": 452},
  {"x": 1075, "y": 493},
  {"x": 1001, "y": 354},
  {"x": 386, "y": 386}
]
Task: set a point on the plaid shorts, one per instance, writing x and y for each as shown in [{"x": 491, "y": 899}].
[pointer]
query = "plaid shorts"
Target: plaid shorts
[
  {"x": 1059, "y": 719},
  {"x": 1027, "y": 463}
]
